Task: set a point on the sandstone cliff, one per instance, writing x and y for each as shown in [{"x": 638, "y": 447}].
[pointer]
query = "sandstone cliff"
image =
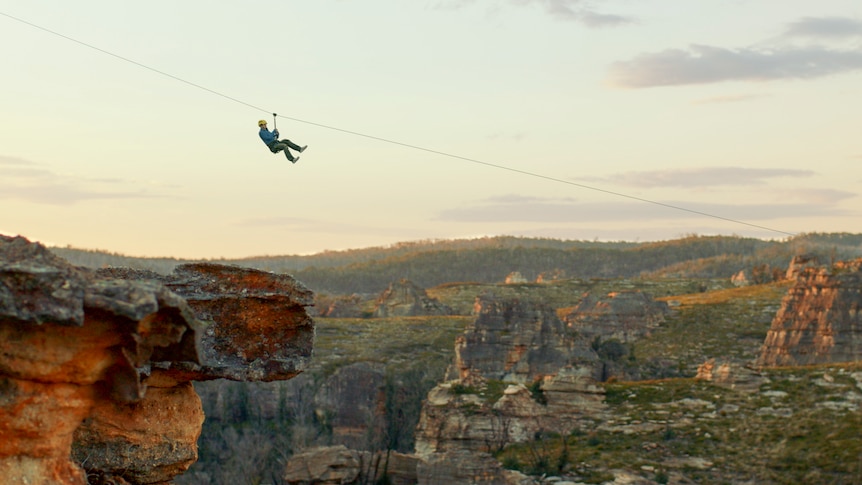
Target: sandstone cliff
[
  {"x": 514, "y": 343},
  {"x": 517, "y": 341},
  {"x": 624, "y": 315},
  {"x": 405, "y": 299},
  {"x": 819, "y": 320},
  {"x": 95, "y": 368}
]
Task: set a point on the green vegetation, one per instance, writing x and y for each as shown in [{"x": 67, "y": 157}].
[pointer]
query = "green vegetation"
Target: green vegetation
[
  {"x": 780, "y": 433},
  {"x": 489, "y": 260},
  {"x": 797, "y": 425}
]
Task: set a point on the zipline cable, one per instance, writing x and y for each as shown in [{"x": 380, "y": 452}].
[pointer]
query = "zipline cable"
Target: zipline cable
[{"x": 395, "y": 142}]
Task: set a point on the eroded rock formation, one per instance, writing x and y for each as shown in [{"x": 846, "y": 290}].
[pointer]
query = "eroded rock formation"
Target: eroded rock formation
[
  {"x": 405, "y": 299},
  {"x": 819, "y": 320},
  {"x": 352, "y": 403},
  {"x": 338, "y": 465},
  {"x": 624, "y": 315},
  {"x": 95, "y": 367},
  {"x": 458, "y": 416},
  {"x": 516, "y": 341},
  {"x": 343, "y": 307}
]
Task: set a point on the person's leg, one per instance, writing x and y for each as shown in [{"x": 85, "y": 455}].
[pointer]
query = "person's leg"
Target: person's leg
[
  {"x": 281, "y": 145},
  {"x": 292, "y": 145}
]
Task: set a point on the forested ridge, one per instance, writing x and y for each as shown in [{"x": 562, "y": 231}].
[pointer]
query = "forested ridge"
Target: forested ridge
[{"x": 488, "y": 260}]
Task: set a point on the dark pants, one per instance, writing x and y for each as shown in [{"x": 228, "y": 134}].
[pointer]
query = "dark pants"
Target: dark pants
[{"x": 280, "y": 145}]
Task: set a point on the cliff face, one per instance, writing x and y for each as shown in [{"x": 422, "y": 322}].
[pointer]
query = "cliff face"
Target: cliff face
[
  {"x": 819, "y": 320},
  {"x": 516, "y": 341},
  {"x": 625, "y": 316},
  {"x": 405, "y": 299},
  {"x": 95, "y": 369}
]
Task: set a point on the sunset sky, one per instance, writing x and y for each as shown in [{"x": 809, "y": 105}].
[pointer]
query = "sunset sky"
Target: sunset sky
[{"x": 131, "y": 127}]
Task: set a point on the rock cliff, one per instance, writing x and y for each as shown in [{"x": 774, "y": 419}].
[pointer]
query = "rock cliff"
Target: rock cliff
[
  {"x": 352, "y": 404},
  {"x": 514, "y": 343},
  {"x": 623, "y": 315},
  {"x": 517, "y": 341},
  {"x": 819, "y": 320},
  {"x": 405, "y": 299},
  {"x": 95, "y": 367}
]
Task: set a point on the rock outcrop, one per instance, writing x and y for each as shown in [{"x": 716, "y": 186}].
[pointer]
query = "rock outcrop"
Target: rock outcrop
[
  {"x": 819, "y": 320},
  {"x": 516, "y": 341},
  {"x": 458, "y": 416},
  {"x": 799, "y": 263},
  {"x": 465, "y": 467},
  {"x": 405, "y": 299},
  {"x": 95, "y": 368},
  {"x": 339, "y": 465},
  {"x": 352, "y": 404},
  {"x": 740, "y": 279},
  {"x": 343, "y": 307},
  {"x": 624, "y": 316},
  {"x": 515, "y": 278},
  {"x": 730, "y": 375}
]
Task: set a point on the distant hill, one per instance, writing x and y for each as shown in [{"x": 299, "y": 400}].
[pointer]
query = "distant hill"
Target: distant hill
[{"x": 488, "y": 260}]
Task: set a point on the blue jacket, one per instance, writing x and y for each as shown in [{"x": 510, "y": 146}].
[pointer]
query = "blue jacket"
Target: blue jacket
[{"x": 268, "y": 137}]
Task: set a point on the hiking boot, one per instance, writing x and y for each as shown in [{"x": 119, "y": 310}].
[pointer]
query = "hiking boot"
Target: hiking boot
[
  {"x": 295, "y": 160},
  {"x": 303, "y": 149}
]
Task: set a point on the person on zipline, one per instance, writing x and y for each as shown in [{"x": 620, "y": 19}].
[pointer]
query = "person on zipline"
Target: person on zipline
[{"x": 270, "y": 138}]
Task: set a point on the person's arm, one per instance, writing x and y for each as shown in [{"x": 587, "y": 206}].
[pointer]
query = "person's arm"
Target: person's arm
[{"x": 266, "y": 136}]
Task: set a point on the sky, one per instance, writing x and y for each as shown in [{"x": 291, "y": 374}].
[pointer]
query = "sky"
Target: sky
[{"x": 131, "y": 127}]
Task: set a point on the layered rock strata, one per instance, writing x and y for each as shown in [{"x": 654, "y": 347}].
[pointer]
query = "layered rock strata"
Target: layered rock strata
[
  {"x": 95, "y": 368},
  {"x": 458, "y": 417},
  {"x": 819, "y": 320},
  {"x": 514, "y": 343},
  {"x": 517, "y": 341},
  {"x": 624, "y": 316},
  {"x": 338, "y": 465}
]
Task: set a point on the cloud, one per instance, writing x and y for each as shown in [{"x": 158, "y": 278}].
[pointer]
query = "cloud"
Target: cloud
[
  {"x": 702, "y": 177},
  {"x": 825, "y": 28},
  {"x": 579, "y": 11},
  {"x": 30, "y": 182},
  {"x": 703, "y": 64},
  {"x": 540, "y": 210},
  {"x": 819, "y": 196},
  {"x": 809, "y": 48}
]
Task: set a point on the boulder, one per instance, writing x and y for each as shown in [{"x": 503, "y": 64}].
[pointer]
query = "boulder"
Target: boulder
[
  {"x": 331, "y": 465},
  {"x": 341, "y": 465},
  {"x": 466, "y": 467}
]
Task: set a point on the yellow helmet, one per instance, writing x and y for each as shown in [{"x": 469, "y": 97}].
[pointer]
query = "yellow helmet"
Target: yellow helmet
[{"x": 261, "y": 122}]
